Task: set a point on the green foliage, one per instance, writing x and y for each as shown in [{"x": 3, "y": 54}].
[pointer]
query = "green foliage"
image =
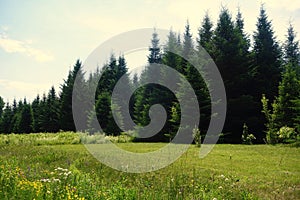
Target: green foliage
[
  {"x": 47, "y": 113},
  {"x": 267, "y": 57},
  {"x": 288, "y": 92},
  {"x": 61, "y": 138},
  {"x": 66, "y": 116},
  {"x": 205, "y": 33},
  {"x": 248, "y": 72},
  {"x": 187, "y": 47},
  {"x": 155, "y": 54},
  {"x": 246, "y": 137},
  {"x": 2, "y": 104},
  {"x": 6, "y": 120},
  {"x": 292, "y": 52},
  {"x": 296, "y": 109},
  {"x": 23, "y": 118},
  {"x": 175, "y": 120},
  {"x": 230, "y": 41},
  {"x": 286, "y": 135},
  {"x": 197, "y": 136},
  {"x": 271, "y": 117},
  {"x": 70, "y": 172},
  {"x": 110, "y": 75}
]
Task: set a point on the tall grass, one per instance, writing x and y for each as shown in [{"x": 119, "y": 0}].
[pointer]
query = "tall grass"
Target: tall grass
[
  {"x": 60, "y": 138},
  {"x": 69, "y": 172}
]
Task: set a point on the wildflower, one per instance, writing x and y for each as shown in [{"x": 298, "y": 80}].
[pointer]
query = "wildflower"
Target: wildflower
[
  {"x": 61, "y": 169},
  {"x": 67, "y": 173},
  {"x": 56, "y": 180},
  {"x": 222, "y": 176},
  {"x": 226, "y": 179},
  {"x": 45, "y": 180},
  {"x": 220, "y": 187}
]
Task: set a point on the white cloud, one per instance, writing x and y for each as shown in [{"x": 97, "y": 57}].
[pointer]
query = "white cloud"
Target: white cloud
[
  {"x": 290, "y": 5},
  {"x": 11, "y": 88},
  {"x": 24, "y": 47}
]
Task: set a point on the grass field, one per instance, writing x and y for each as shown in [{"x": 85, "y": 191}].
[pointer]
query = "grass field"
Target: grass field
[{"x": 59, "y": 167}]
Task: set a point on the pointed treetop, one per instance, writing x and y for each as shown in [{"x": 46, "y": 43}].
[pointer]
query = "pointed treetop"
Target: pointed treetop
[
  {"x": 178, "y": 39},
  {"x": 172, "y": 43},
  {"x": 291, "y": 47},
  {"x": 264, "y": 40},
  {"x": 205, "y": 32},
  {"x": 188, "y": 42},
  {"x": 239, "y": 23},
  {"x": 263, "y": 23},
  {"x": 155, "y": 54},
  {"x": 225, "y": 24}
]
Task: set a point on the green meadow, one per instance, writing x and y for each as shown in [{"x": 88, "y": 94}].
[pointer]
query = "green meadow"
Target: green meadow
[{"x": 58, "y": 166}]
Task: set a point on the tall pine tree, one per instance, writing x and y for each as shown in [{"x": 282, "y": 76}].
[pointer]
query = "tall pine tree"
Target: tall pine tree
[
  {"x": 267, "y": 57},
  {"x": 231, "y": 54},
  {"x": 66, "y": 115},
  {"x": 205, "y": 34},
  {"x": 291, "y": 50},
  {"x": 6, "y": 125}
]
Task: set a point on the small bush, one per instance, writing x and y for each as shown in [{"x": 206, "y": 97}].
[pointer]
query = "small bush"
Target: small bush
[
  {"x": 123, "y": 138},
  {"x": 246, "y": 137},
  {"x": 197, "y": 136},
  {"x": 286, "y": 135},
  {"x": 96, "y": 138}
]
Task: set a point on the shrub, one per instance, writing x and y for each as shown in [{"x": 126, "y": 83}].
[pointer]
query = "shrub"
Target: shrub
[
  {"x": 96, "y": 138},
  {"x": 197, "y": 136},
  {"x": 246, "y": 137},
  {"x": 286, "y": 135}
]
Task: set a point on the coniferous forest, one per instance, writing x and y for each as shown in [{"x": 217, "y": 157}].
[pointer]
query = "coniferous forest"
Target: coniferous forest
[{"x": 261, "y": 78}]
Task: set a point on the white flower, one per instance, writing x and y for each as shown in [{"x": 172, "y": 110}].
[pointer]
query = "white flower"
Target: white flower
[
  {"x": 45, "y": 180},
  {"x": 222, "y": 176},
  {"x": 226, "y": 179},
  {"x": 220, "y": 187},
  {"x": 67, "y": 173},
  {"x": 61, "y": 169}
]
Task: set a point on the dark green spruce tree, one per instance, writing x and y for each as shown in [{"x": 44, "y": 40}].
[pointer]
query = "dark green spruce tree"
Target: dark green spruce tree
[
  {"x": 6, "y": 125},
  {"x": 35, "y": 105},
  {"x": 66, "y": 115},
  {"x": 110, "y": 75},
  {"x": 2, "y": 104},
  {"x": 24, "y": 121},
  {"x": 231, "y": 54},
  {"x": 266, "y": 68},
  {"x": 49, "y": 113},
  {"x": 17, "y": 109},
  {"x": 172, "y": 59},
  {"x": 205, "y": 34},
  {"x": 267, "y": 57},
  {"x": 151, "y": 94},
  {"x": 289, "y": 87},
  {"x": 291, "y": 50}
]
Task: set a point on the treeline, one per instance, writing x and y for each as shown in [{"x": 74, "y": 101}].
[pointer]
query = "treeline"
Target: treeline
[{"x": 253, "y": 73}]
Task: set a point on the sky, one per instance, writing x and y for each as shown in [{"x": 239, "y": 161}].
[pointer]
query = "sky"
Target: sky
[{"x": 40, "y": 41}]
